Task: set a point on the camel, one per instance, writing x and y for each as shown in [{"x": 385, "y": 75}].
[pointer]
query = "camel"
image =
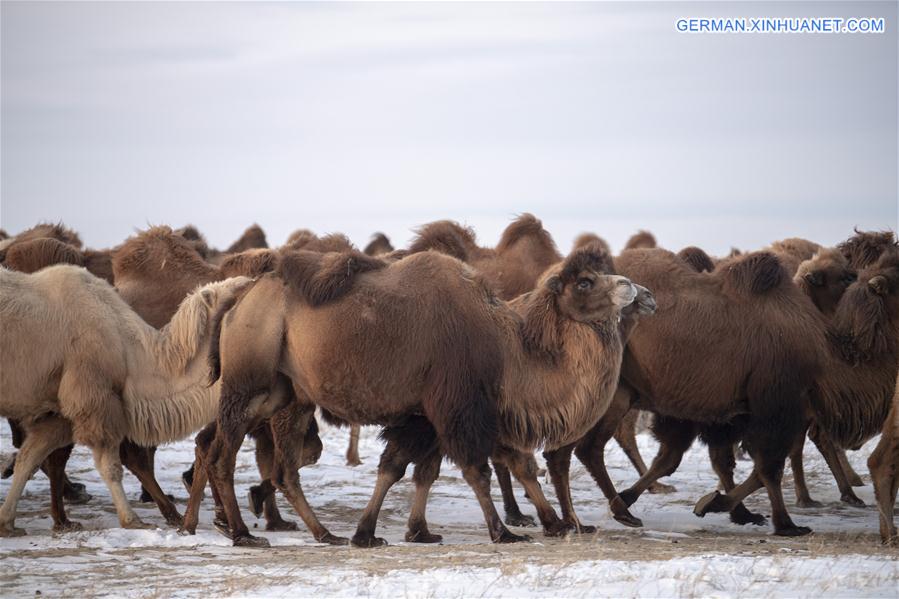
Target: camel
[
  {"x": 379, "y": 245},
  {"x": 90, "y": 370},
  {"x": 752, "y": 309},
  {"x": 524, "y": 252},
  {"x": 469, "y": 376},
  {"x": 884, "y": 467},
  {"x": 155, "y": 270},
  {"x": 865, "y": 247}
]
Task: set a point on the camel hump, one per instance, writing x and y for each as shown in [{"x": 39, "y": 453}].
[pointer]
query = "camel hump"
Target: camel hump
[
  {"x": 585, "y": 239},
  {"x": 865, "y": 247},
  {"x": 756, "y": 273},
  {"x": 445, "y": 236},
  {"x": 322, "y": 278},
  {"x": 250, "y": 263},
  {"x": 697, "y": 259},
  {"x": 526, "y": 225},
  {"x": 31, "y": 256},
  {"x": 641, "y": 239},
  {"x": 379, "y": 244},
  {"x": 253, "y": 237}
]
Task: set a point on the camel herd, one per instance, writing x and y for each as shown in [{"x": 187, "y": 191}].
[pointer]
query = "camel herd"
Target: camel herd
[{"x": 478, "y": 355}]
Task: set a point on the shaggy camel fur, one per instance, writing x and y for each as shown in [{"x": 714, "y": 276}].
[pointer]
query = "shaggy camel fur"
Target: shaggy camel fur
[
  {"x": 155, "y": 270},
  {"x": 379, "y": 245},
  {"x": 56, "y": 231},
  {"x": 468, "y": 377},
  {"x": 32, "y": 255},
  {"x": 884, "y": 467},
  {"x": 865, "y": 247},
  {"x": 89, "y": 370},
  {"x": 697, "y": 259},
  {"x": 641, "y": 240},
  {"x": 752, "y": 309},
  {"x": 524, "y": 252}
]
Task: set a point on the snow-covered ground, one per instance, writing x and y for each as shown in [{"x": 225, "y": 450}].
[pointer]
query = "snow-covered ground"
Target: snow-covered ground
[{"x": 675, "y": 553}]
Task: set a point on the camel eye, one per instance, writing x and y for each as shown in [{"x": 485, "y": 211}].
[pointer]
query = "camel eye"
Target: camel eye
[
  {"x": 584, "y": 284},
  {"x": 850, "y": 278}
]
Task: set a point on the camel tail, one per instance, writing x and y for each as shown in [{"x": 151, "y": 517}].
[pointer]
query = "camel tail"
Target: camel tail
[
  {"x": 214, "y": 359},
  {"x": 323, "y": 278},
  {"x": 526, "y": 225},
  {"x": 461, "y": 399},
  {"x": 756, "y": 273}
]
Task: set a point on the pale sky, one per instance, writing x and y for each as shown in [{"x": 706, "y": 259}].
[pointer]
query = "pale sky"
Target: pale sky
[{"x": 363, "y": 117}]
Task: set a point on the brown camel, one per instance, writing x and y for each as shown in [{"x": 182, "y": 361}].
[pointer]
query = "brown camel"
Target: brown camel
[
  {"x": 88, "y": 369},
  {"x": 468, "y": 376},
  {"x": 752, "y": 309},
  {"x": 865, "y": 247},
  {"x": 524, "y": 252},
  {"x": 155, "y": 270},
  {"x": 884, "y": 466}
]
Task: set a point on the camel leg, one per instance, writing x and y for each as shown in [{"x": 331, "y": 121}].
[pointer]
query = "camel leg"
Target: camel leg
[
  {"x": 55, "y": 467},
  {"x": 590, "y": 450},
  {"x": 198, "y": 481},
  {"x": 829, "y": 451},
  {"x": 626, "y": 437},
  {"x": 391, "y": 469},
  {"x": 43, "y": 438},
  {"x": 147, "y": 462},
  {"x": 289, "y": 427},
  {"x": 716, "y": 502},
  {"x": 723, "y": 463},
  {"x": 771, "y": 474},
  {"x": 478, "y": 478},
  {"x": 514, "y": 517},
  {"x": 803, "y": 498},
  {"x": 139, "y": 460},
  {"x": 884, "y": 467},
  {"x": 559, "y": 464},
  {"x": 675, "y": 437},
  {"x": 352, "y": 450},
  {"x": 854, "y": 479},
  {"x": 109, "y": 466},
  {"x": 524, "y": 467},
  {"x": 262, "y": 496},
  {"x": 426, "y": 472}
]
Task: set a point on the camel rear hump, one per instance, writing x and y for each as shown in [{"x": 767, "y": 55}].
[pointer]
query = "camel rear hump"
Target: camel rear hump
[
  {"x": 323, "y": 278},
  {"x": 526, "y": 226},
  {"x": 756, "y": 273},
  {"x": 446, "y": 237}
]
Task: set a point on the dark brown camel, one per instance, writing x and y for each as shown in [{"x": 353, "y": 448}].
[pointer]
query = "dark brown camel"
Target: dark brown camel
[
  {"x": 753, "y": 310},
  {"x": 325, "y": 334},
  {"x": 884, "y": 466}
]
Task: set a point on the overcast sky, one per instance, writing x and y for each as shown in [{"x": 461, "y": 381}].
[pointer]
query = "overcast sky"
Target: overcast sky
[{"x": 356, "y": 118}]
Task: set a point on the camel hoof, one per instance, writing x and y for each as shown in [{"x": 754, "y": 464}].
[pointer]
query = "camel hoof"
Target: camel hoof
[
  {"x": 423, "y": 536},
  {"x": 221, "y": 525},
  {"x": 10, "y": 467},
  {"x": 249, "y": 540},
  {"x": 176, "y": 520},
  {"x": 740, "y": 515},
  {"x": 793, "y": 531},
  {"x": 891, "y": 541},
  {"x": 851, "y": 499},
  {"x": 367, "y": 541},
  {"x": 712, "y": 503},
  {"x": 629, "y": 496},
  {"x": 281, "y": 526},
  {"x": 186, "y": 531},
  {"x": 520, "y": 519},
  {"x": 661, "y": 489},
  {"x": 68, "y": 526},
  {"x": 353, "y": 462},
  {"x": 809, "y": 502},
  {"x": 628, "y": 519},
  {"x": 510, "y": 537},
  {"x": 8, "y": 530},
  {"x": 582, "y": 529},
  {"x": 137, "y": 524},
  {"x": 330, "y": 539},
  {"x": 558, "y": 529},
  {"x": 76, "y": 496}
]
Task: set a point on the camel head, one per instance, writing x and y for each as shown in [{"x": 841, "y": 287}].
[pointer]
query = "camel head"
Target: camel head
[
  {"x": 586, "y": 288},
  {"x": 825, "y": 278},
  {"x": 868, "y": 313}
]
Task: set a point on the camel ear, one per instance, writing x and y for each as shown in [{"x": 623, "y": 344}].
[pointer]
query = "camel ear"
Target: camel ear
[
  {"x": 554, "y": 284},
  {"x": 208, "y": 297},
  {"x": 879, "y": 285},
  {"x": 814, "y": 278}
]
